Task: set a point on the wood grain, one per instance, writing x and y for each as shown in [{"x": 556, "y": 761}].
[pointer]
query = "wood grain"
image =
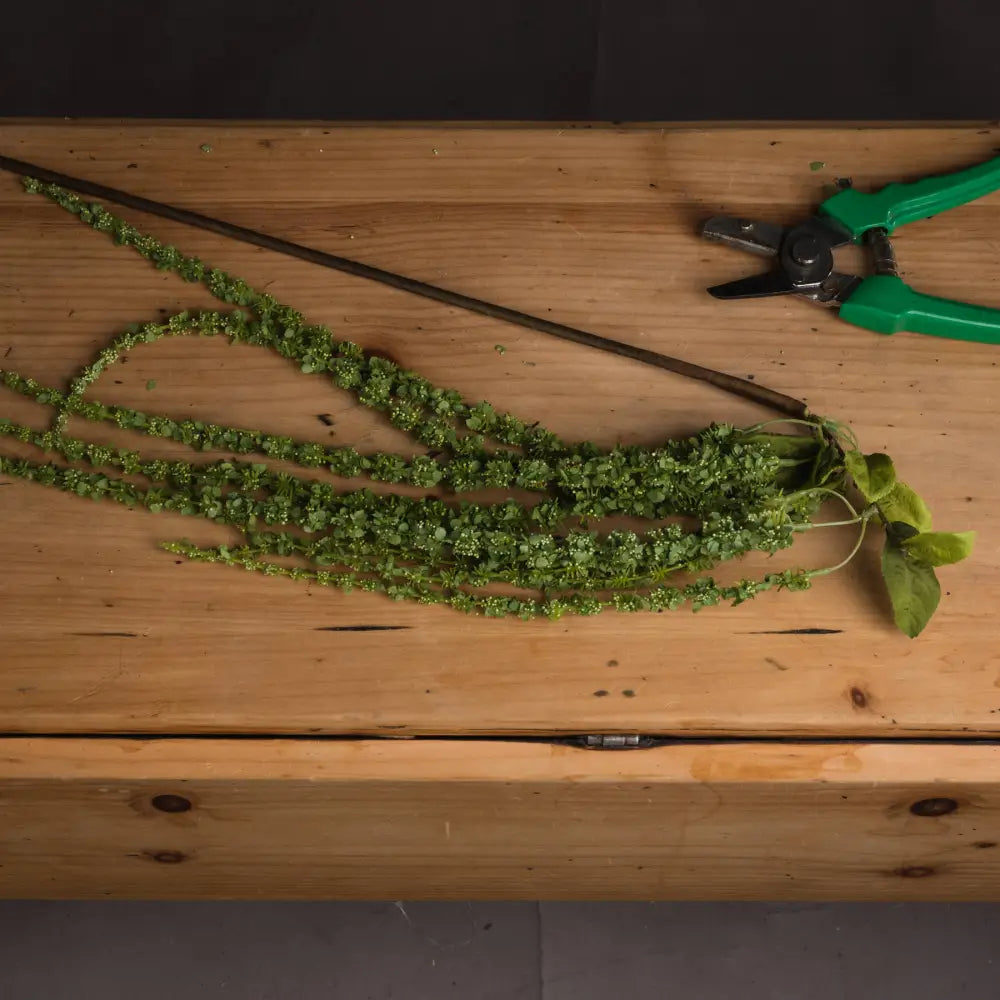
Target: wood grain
[
  {"x": 104, "y": 633},
  {"x": 436, "y": 819}
]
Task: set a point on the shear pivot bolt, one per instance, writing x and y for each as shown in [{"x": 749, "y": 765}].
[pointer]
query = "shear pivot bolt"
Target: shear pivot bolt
[{"x": 806, "y": 250}]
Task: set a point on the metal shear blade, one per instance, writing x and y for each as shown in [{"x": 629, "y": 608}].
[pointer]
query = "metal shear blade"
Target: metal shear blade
[
  {"x": 762, "y": 238},
  {"x": 803, "y": 254}
]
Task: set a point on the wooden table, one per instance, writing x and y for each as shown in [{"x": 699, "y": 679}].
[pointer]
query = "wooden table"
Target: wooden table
[{"x": 348, "y": 746}]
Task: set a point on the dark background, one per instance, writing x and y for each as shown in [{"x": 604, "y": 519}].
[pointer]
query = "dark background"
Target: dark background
[{"x": 503, "y": 59}]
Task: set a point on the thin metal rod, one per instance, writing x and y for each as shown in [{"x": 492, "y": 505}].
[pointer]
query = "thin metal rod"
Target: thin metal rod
[{"x": 729, "y": 383}]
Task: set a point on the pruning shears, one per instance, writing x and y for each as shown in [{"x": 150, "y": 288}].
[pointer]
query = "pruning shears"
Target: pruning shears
[{"x": 883, "y": 302}]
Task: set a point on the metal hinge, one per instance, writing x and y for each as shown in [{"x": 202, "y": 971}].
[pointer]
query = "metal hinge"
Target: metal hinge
[{"x": 618, "y": 741}]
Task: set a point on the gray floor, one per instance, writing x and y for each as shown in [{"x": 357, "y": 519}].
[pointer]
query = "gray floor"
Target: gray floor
[{"x": 497, "y": 951}]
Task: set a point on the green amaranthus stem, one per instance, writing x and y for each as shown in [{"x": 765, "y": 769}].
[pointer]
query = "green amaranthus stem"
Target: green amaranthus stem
[{"x": 749, "y": 491}]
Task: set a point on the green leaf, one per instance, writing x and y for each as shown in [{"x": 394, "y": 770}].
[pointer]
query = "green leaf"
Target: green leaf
[
  {"x": 913, "y": 589},
  {"x": 873, "y": 474},
  {"x": 857, "y": 468},
  {"x": 151, "y": 384},
  {"x": 901, "y": 503},
  {"x": 939, "y": 548}
]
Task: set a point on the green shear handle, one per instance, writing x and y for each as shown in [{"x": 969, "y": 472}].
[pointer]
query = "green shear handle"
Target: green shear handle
[
  {"x": 897, "y": 204},
  {"x": 886, "y": 304}
]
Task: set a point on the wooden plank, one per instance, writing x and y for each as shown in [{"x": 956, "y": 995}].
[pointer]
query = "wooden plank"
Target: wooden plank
[
  {"x": 102, "y": 632},
  {"x": 452, "y": 820}
]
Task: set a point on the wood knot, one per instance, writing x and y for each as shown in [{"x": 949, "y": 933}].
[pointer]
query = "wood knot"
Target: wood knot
[
  {"x": 914, "y": 871},
  {"x": 933, "y": 807},
  {"x": 859, "y": 697},
  {"x": 171, "y": 803},
  {"x": 165, "y": 857}
]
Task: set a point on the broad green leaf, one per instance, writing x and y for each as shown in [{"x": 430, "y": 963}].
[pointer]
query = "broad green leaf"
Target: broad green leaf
[
  {"x": 902, "y": 504},
  {"x": 939, "y": 548},
  {"x": 873, "y": 474},
  {"x": 913, "y": 589}
]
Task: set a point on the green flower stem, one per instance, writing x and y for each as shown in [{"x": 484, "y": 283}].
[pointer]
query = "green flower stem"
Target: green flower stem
[
  {"x": 843, "y": 562},
  {"x": 283, "y": 328},
  {"x": 471, "y": 573},
  {"x": 701, "y": 593},
  {"x": 818, "y": 491},
  {"x": 827, "y": 524},
  {"x": 469, "y": 536},
  {"x": 855, "y": 518},
  {"x": 710, "y": 471}
]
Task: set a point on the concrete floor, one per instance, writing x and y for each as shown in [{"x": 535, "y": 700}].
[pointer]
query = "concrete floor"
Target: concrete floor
[{"x": 498, "y": 951}]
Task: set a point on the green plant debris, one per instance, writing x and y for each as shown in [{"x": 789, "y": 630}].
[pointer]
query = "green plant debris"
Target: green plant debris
[
  {"x": 707, "y": 499},
  {"x": 151, "y": 383},
  {"x": 205, "y": 147},
  {"x": 817, "y": 165}
]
